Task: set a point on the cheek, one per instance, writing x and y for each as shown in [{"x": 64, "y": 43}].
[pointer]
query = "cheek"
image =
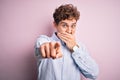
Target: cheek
[
  {"x": 73, "y": 31},
  {"x": 61, "y": 30}
]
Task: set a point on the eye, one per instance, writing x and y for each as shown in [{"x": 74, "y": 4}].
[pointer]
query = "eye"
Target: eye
[
  {"x": 64, "y": 25},
  {"x": 73, "y": 26}
]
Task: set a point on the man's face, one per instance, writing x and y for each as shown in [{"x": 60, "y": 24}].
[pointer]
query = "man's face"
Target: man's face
[{"x": 66, "y": 26}]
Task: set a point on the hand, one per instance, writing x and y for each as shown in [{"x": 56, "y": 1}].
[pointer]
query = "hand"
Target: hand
[
  {"x": 69, "y": 39},
  {"x": 51, "y": 50}
]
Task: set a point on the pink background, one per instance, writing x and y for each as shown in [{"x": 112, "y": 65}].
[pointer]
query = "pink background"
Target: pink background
[{"x": 22, "y": 21}]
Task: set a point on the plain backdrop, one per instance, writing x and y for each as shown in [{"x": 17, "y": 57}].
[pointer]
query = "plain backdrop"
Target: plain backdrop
[{"x": 22, "y": 21}]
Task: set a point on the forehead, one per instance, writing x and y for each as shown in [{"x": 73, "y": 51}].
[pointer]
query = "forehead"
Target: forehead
[{"x": 68, "y": 21}]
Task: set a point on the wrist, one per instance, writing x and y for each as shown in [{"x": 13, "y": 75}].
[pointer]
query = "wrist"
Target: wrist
[{"x": 75, "y": 48}]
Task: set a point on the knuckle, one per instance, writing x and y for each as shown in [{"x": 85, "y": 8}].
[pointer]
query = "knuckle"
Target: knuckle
[
  {"x": 52, "y": 54},
  {"x": 48, "y": 55},
  {"x": 42, "y": 54},
  {"x": 42, "y": 46},
  {"x": 47, "y": 44},
  {"x": 51, "y": 43}
]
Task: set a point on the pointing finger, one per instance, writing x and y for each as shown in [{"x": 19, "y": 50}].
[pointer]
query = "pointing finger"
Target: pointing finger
[
  {"x": 52, "y": 49},
  {"x": 58, "y": 50}
]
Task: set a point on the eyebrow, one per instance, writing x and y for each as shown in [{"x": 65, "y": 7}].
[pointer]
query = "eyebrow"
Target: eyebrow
[
  {"x": 63, "y": 22},
  {"x": 66, "y": 23}
]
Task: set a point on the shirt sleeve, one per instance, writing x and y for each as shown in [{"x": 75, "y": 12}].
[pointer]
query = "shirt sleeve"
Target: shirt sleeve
[{"x": 86, "y": 64}]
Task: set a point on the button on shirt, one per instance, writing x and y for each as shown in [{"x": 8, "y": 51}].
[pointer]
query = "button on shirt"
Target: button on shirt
[{"x": 69, "y": 66}]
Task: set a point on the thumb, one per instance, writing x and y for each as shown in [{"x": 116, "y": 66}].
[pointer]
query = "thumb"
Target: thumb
[{"x": 58, "y": 53}]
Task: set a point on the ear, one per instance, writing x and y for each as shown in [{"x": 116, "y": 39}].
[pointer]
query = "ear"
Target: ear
[{"x": 54, "y": 24}]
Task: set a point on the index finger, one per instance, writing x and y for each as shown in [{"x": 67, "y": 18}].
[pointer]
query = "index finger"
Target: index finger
[
  {"x": 52, "y": 50},
  {"x": 58, "y": 50}
]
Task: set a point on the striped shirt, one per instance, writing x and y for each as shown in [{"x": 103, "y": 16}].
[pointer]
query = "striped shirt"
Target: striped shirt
[{"x": 69, "y": 66}]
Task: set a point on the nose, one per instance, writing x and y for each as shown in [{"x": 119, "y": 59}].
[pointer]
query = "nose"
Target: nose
[{"x": 69, "y": 30}]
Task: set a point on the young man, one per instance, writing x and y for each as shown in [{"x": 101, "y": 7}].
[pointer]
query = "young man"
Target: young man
[{"x": 60, "y": 57}]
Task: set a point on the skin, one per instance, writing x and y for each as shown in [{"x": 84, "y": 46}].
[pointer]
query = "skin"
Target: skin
[{"x": 66, "y": 32}]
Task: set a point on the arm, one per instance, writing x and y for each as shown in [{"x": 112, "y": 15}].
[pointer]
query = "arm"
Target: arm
[
  {"x": 86, "y": 64},
  {"x": 41, "y": 40},
  {"x": 81, "y": 57}
]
